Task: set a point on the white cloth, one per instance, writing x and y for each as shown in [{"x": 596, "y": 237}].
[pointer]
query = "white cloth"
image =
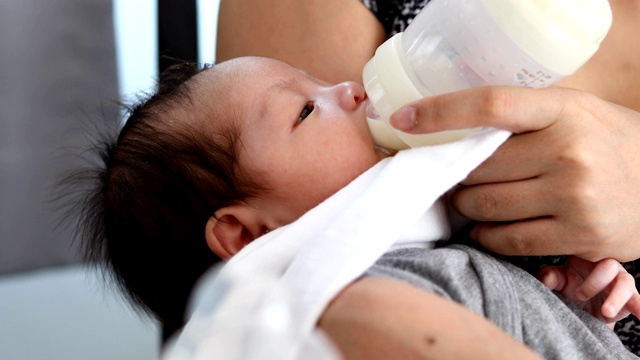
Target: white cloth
[{"x": 296, "y": 270}]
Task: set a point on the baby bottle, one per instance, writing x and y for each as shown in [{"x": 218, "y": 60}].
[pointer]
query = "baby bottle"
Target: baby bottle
[{"x": 456, "y": 44}]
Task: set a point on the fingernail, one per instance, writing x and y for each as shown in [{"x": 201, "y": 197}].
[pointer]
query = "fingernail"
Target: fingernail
[
  {"x": 580, "y": 295},
  {"x": 404, "y": 119}
]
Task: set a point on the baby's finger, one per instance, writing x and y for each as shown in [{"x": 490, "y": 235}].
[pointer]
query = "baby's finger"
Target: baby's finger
[
  {"x": 622, "y": 296},
  {"x": 633, "y": 305},
  {"x": 552, "y": 277},
  {"x": 599, "y": 279}
]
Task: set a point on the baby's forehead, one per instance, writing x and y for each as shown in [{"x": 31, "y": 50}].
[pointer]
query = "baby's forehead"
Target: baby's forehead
[
  {"x": 210, "y": 79},
  {"x": 217, "y": 98},
  {"x": 245, "y": 70},
  {"x": 233, "y": 69},
  {"x": 220, "y": 84},
  {"x": 229, "y": 92}
]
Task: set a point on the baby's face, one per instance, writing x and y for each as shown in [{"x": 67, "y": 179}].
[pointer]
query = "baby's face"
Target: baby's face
[{"x": 304, "y": 138}]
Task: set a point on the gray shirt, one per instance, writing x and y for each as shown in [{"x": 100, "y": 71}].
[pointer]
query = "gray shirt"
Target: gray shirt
[{"x": 509, "y": 297}]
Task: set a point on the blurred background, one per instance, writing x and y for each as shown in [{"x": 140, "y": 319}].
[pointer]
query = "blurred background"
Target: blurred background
[{"x": 63, "y": 65}]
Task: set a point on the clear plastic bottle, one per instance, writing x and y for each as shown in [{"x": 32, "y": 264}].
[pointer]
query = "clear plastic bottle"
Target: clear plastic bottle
[{"x": 456, "y": 44}]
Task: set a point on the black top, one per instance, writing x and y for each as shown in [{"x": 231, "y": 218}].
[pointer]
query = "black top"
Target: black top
[{"x": 395, "y": 15}]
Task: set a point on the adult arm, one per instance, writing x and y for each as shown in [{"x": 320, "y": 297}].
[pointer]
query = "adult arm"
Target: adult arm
[
  {"x": 568, "y": 182},
  {"x": 377, "y": 318},
  {"x": 331, "y": 39}
]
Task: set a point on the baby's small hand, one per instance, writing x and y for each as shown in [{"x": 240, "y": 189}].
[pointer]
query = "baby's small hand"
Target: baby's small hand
[{"x": 604, "y": 289}]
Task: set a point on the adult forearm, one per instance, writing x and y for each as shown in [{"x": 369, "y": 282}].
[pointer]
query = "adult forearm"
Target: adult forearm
[{"x": 331, "y": 39}]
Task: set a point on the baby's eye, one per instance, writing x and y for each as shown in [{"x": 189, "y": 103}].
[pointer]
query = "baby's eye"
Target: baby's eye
[{"x": 306, "y": 111}]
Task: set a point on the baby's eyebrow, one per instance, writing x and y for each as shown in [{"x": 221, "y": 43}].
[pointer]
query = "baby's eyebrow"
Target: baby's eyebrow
[
  {"x": 283, "y": 85},
  {"x": 279, "y": 87}
]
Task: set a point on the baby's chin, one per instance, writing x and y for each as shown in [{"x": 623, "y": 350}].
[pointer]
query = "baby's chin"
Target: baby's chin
[{"x": 383, "y": 153}]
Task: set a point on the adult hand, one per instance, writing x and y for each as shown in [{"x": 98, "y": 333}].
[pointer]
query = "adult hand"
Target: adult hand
[{"x": 567, "y": 182}]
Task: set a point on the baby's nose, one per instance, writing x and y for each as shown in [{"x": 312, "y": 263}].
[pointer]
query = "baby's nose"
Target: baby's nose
[{"x": 350, "y": 94}]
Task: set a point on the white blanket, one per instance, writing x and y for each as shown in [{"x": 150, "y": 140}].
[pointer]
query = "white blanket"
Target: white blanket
[{"x": 264, "y": 303}]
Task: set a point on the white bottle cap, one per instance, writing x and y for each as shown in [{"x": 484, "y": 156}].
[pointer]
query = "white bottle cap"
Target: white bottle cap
[{"x": 389, "y": 87}]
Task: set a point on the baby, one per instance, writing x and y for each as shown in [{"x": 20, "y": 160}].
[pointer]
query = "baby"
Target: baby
[{"x": 219, "y": 157}]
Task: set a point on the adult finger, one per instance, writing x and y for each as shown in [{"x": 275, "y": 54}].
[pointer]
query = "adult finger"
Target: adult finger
[
  {"x": 521, "y": 157},
  {"x": 515, "y": 109},
  {"x": 509, "y": 201},
  {"x": 528, "y": 237}
]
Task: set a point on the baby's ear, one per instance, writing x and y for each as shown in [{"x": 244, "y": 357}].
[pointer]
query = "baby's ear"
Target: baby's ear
[{"x": 230, "y": 229}]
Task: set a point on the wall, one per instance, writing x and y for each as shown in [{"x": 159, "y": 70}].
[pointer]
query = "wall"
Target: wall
[{"x": 60, "y": 67}]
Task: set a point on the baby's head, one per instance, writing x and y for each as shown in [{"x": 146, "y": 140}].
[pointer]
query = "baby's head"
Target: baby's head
[{"x": 210, "y": 163}]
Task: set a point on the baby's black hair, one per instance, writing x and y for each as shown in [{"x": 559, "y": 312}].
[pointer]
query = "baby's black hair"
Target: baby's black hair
[{"x": 157, "y": 184}]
